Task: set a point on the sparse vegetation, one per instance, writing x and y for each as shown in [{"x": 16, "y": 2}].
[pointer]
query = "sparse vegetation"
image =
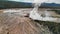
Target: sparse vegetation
[{"x": 53, "y": 26}]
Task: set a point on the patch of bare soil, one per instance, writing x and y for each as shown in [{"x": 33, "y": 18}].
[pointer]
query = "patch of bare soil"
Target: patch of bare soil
[{"x": 13, "y": 24}]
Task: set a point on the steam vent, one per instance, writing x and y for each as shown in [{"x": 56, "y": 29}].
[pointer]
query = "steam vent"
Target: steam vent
[{"x": 15, "y": 17}]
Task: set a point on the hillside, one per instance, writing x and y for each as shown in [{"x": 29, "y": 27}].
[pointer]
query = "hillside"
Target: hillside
[{"x": 12, "y": 4}]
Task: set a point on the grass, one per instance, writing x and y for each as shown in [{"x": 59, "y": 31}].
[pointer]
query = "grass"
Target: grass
[
  {"x": 53, "y": 26},
  {"x": 56, "y": 16}
]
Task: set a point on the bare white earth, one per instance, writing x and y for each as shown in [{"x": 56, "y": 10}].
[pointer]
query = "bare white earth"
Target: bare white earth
[{"x": 25, "y": 11}]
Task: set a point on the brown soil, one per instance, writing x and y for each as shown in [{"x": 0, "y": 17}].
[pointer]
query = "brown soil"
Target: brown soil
[{"x": 13, "y": 24}]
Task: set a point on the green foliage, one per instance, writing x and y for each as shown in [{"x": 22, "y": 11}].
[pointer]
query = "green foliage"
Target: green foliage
[
  {"x": 53, "y": 26},
  {"x": 57, "y": 11}
]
